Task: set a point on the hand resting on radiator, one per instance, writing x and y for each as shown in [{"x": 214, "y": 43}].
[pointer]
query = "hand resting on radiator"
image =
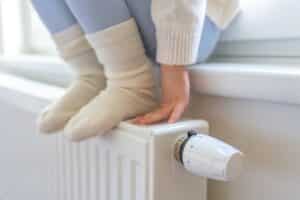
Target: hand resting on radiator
[{"x": 175, "y": 86}]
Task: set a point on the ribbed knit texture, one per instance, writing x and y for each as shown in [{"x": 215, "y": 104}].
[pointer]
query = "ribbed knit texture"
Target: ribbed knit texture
[
  {"x": 121, "y": 49},
  {"x": 74, "y": 48},
  {"x": 179, "y": 26},
  {"x": 176, "y": 46}
]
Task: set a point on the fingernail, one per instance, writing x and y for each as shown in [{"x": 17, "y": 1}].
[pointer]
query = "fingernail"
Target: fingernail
[
  {"x": 136, "y": 121},
  {"x": 171, "y": 121}
]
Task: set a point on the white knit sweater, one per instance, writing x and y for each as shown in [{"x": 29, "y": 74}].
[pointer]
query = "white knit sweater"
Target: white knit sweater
[{"x": 179, "y": 25}]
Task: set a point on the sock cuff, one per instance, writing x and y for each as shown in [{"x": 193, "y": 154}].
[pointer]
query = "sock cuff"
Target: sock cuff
[
  {"x": 67, "y": 35},
  {"x": 86, "y": 64},
  {"x": 71, "y": 42},
  {"x": 120, "y": 47},
  {"x": 75, "y": 49},
  {"x": 121, "y": 50},
  {"x": 114, "y": 34}
]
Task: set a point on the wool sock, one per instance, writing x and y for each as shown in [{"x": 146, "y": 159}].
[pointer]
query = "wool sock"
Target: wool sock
[
  {"x": 130, "y": 84},
  {"x": 89, "y": 79}
]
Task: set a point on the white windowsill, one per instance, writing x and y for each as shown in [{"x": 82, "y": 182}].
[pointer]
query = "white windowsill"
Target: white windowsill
[
  {"x": 280, "y": 84},
  {"x": 46, "y": 69}
]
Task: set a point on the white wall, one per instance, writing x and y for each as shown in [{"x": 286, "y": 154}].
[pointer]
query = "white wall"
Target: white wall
[
  {"x": 25, "y": 159},
  {"x": 267, "y": 19},
  {"x": 268, "y": 133},
  {"x": 269, "y": 136}
]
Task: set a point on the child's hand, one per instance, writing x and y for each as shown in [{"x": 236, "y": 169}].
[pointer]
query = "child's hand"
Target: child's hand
[{"x": 175, "y": 96}]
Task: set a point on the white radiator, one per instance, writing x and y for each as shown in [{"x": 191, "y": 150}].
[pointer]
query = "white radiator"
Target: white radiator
[{"x": 130, "y": 163}]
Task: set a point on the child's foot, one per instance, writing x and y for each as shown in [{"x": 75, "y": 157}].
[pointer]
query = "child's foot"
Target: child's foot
[
  {"x": 130, "y": 84},
  {"x": 78, "y": 53},
  {"x": 108, "y": 109},
  {"x": 80, "y": 93}
]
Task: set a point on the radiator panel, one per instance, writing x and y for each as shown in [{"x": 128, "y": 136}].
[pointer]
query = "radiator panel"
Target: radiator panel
[
  {"x": 95, "y": 170},
  {"x": 129, "y": 163}
]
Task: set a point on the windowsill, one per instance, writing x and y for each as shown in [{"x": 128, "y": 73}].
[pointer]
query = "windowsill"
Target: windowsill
[
  {"x": 280, "y": 84},
  {"x": 46, "y": 69},
  {"x": 28, "y": 95}
]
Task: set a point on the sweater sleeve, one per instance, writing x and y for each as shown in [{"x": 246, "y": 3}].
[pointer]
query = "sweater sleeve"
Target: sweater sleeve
[{"x": 179, "y": 25}]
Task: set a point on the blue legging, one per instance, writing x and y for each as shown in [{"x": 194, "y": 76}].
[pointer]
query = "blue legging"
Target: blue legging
[{"x": 97, "y": 15}]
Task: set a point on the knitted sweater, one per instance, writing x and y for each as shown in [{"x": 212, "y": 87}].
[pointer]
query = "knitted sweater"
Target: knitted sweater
[{"x": 179, "y": 25}]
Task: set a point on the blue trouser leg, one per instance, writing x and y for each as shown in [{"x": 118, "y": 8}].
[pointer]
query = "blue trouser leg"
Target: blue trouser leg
[
  {"x": 55, "y": 14},
  {"x": 210, "y": 37},
  {"x": 141, "y": 11},
  {"x": 97, "y": 15}
]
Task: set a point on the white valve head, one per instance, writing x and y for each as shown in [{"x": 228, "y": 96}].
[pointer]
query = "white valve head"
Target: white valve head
[{"x": 208, "y": 157}]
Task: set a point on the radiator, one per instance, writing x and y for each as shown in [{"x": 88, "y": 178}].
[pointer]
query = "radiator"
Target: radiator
[{"x": 129, "y": 163}]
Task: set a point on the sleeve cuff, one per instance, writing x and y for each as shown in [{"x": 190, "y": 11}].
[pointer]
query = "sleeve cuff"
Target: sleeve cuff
[{"x": 177, "y": 45}]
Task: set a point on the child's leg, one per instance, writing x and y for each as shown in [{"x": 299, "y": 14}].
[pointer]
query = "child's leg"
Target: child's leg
[
  {"x": 97, "y": 15},
  {"x": 210, "y": 37},
  {"x": 141, "y": 11},
  {"x": 55, "y": 15},
  {"x": 130, "y": 86},
  {"x": 75, "y": 49}
]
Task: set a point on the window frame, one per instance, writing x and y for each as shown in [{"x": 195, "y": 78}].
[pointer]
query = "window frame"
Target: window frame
[
  {"x": 33, "y": 47},
  {"x": 288, "y": 48},
  {"x": 16, "y": 25},
  {"x": 241, "y": 40},
  {"x": 285, "y": 47},
  {"x": 23, "y": 39},
  {"x": 1, "y": 31}
]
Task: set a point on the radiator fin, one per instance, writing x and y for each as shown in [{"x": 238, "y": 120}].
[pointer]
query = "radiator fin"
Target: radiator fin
[{"x": 90, "y": 171}]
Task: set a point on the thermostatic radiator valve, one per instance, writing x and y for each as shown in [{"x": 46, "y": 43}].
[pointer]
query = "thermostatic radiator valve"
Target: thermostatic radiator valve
[{"x": 208, "y": 157}]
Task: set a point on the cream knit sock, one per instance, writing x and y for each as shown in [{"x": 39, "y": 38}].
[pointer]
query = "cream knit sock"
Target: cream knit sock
[
  {"x": 130, "y": 85},
  {"x": 90, "y": 80}
]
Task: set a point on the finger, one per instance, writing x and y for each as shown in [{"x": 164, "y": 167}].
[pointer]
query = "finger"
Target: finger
[
  {"x": 157, "y": 116},
  {"x": 137, "y": 120},
  {"x": 176, "y": 113}
]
